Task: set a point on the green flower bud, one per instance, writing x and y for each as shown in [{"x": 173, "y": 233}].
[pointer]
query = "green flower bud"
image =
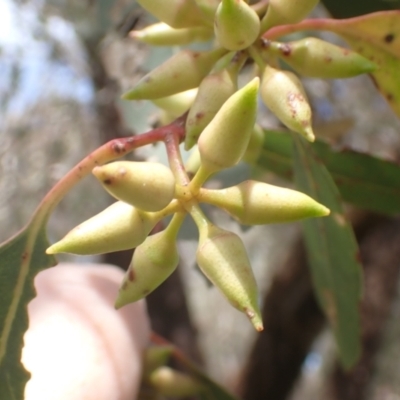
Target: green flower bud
[
  {"x": 213, "y": 91},
  {"x": 257, "y": 203},
  {"x": 176, "y": 13},
  {"x": 177, "y": 104},
  {"x": 208, "y": 7},
  {"x": 236, "y": 24},
  {"x": 254, "y": 147},
  {"x": 283, "y": 93},
  {"x": 181, "y": 72},
  {"x": 222, "y": 257},
  {"x": 175, "y": 384},
  {"x": 319, "y": 59},
  {"x": 282, "y": 12},
  {"x": 224, "y": 141},
  {"x": 161, "y": 34},
  {"x": 147, "y": 186},
  {"x": 156, "y": 356},
  {"x": 152, "y": 263},
  {"x": 118, "y": 227}
]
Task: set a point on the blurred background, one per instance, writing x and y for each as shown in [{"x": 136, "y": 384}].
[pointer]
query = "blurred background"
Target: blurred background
[{"x": 63, "y": 67}]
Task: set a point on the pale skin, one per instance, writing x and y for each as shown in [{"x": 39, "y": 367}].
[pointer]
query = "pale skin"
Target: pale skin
[{"x": 77, "y": 345}]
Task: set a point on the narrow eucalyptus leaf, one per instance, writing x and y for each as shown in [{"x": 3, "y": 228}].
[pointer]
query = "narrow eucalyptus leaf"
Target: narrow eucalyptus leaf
[
  {"x": 21, "y": 258},
  {"x": 333, "y": 254}
]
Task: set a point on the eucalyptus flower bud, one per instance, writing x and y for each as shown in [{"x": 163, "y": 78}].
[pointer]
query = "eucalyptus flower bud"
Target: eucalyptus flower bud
[
  {"x": 153, "y": 262},
  {"x": 156, "y": 356},
  {"x": 176, "y": 13},
  {"x": 222, "y": 257},
  {"x": 161, "y": 34},
  {"x": 283, "y": 93},
  {"x": 213, "y": 91},
  {"x": 145, "y": 185},
  {"x": 172, "y": 383},
  {"x": 282, "y": 12},
  {"x": 258, "y": 203},
  {"x": 177, "y": 104},
  {"x": 319, "y": 59},
  {"x": 236, "y": 24},
  {"x": 224, "y": 141},
  {"x": 208, "y": 7},
  {"x": 118, "y": 227},
  {"x": 181, "y": 72}
]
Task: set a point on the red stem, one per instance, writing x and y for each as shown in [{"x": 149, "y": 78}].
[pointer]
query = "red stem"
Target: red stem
[
  {"x": 307, "y": 24},
  {"x": 171, "y": 141},
  {"x": 111, "y": 150}
]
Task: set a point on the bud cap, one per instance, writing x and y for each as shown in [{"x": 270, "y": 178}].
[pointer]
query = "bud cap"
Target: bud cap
[
  {"x": 152, "y": 263},
  {"x": 145, "y": 185},
  {"x": 319, "y": 59},
  {"x": 176, "y": 13},
  {"x": 282, "y": 12},
  {"x": 174, "y": 384},
  {"x": 213, "y": 91},
  {"x": 222, "y": 257},
  {"x": 118, "y": 227},
  {"x": 224, "y": 141},
  {"x": 236, "y": 24},
  {"x": 258, "y": 203},
  {"x": 283, "y": 93},
  {"x": 183, "y": 71},
  {"x": 161, "y": 34}
]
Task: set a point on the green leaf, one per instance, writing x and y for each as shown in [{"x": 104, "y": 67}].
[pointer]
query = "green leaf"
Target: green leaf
[
  {"x": 363, "y": 180},
  {"x": 21, "y": 258},
  {"x": 376, "y": 37},
  {"x": 346, "y": 9},
  {"x": 333, "y": 254}
]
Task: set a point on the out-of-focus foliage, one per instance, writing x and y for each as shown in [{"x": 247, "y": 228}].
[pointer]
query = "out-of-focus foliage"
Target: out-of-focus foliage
[{"x": 346, "y": 9}]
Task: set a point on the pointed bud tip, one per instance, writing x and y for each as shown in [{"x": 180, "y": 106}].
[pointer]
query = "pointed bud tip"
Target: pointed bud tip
[
  {"x": 96, "y": 171},
  {"x": 129, "y": 95},
  {"x": 102, "y": 174},
  {"x": 52, "y": 250},
  {"x": 255, "y": 83},
  {"x": 370, "y": 66},
  {"x": 309, "y": 134},
  {"x": 316, "y": 209},
  {"x": 58, "y": 247},
  {"x": 120, "y": 302},
  {"x": 255, "y": 318},
  {"x": 323, "y": 211},
  {"x": 136, "y": 34}
]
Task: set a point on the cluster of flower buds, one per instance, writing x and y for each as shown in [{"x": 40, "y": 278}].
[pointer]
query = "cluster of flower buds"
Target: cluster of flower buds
[
  {"x": 221, "y": 121},
  {"x": 238, "y": 28},
  {"x": 147, "y": 192}
]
